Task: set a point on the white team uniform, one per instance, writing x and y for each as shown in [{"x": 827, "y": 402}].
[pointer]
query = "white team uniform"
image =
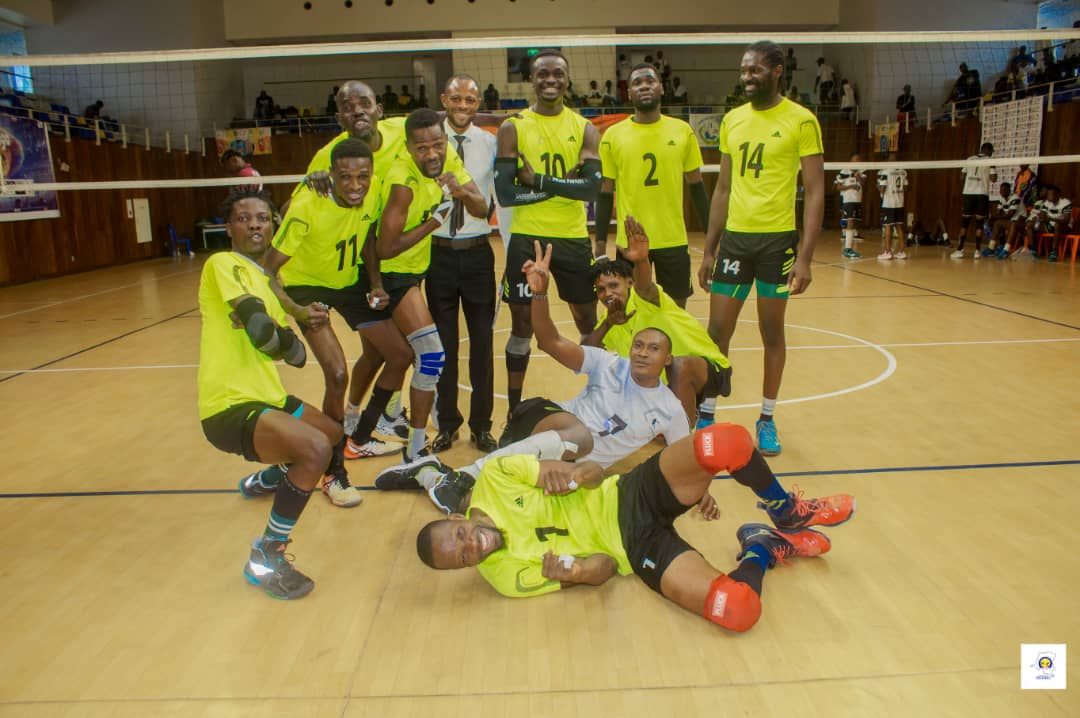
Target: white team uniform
[
  {"x": 850, "y": 185},
  {"x": 621, "y": 415},
  {"x": 891, "y": 184},
  {"x": 1057, "y": 211},
  {"x": 1011, "y": 207},
  {"x": 977, "y": 179}
]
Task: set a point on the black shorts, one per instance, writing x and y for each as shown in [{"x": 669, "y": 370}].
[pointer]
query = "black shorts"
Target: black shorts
[
  {"x": 396, "y": 285},
  {"x": 747, "y": 256},
  {"x": 527, "y": 414},
  {"x": 975, "y": 205},
  {"x": 851, "y": 210},
  {"x": 571, "y": 261},
  {"x": 647, "y": 512},
  {"x": 892, "y": 215},
  {"x": 718, "y": 382},
  {"x": 349, "y": 302},
  {"x": 672, "y": 267},
  {"x": 233, "y": 430}
]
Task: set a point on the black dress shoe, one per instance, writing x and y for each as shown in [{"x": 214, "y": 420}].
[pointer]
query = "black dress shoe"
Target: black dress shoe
[
  {"x": 443, "y": 441},
  {"x": 484, "y": 441}
]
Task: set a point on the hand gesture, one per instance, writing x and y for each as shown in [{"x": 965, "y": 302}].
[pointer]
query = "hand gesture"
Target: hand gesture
[
  {"x": 525, "y": 175},
  {"x": 554, "y": 569},
  {"x": 637, "y": 242},
  {"x": 616, "y": 313},
  {"x": 320, "y": 183},
  {"x": 536, "y": 271},
  {"x": 708, "y": 508},
  {"x": 377, "y": 298},
  {"x": 449, "y": 182},
  {"x": 800, "y": 277}
]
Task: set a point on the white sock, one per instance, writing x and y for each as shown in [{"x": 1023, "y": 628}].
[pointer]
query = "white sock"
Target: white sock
[
  {"x": 945, "y": 236},
  {"x": 546, "y": 446},
  {"x": 351, "y": 408},
  {"x": 417, "y": 439},
  {"x": 849, "y": 236},
  {"x": 768, "y": 406},
  {"x": 708, "y": 406},
  {"x": 428, "y": 476}
]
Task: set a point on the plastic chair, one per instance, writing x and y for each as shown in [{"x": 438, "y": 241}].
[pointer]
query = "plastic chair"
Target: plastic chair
[
  {"x": 1046, "y": 239},
  {"x": 175, "y": 242}
]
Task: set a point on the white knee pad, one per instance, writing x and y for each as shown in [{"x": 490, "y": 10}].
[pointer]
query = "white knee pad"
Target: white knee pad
[{"x": 430, "y": 357}]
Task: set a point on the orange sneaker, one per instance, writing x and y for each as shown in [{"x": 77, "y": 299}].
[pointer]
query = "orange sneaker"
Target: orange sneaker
[
  {"x": 802, "y": 513},
  {"x": 781, "y": 544}
]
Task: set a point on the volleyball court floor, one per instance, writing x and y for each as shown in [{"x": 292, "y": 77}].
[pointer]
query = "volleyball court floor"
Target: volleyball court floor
[{"x": 943, "y": 394}]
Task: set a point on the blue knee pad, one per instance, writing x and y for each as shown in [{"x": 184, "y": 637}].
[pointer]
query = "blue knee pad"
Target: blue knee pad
[{"x": 430, "y": 358}]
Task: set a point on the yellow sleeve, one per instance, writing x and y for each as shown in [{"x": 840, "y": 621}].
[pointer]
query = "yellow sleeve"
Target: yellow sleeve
[
  {"x": 607, "y": 158},
  {"x": 511, "y": 470},
  {"x": 295, "y": 227},
  {"x": 692, "y": 160},
  {"x": 810, "y": 138},
  {"x": 516, "y": 578},
  {"x": 232, "y": 279},
  {"x": 724, "y": 149}
]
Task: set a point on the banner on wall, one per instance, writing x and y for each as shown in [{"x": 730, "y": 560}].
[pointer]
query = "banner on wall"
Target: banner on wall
[
  {"x": 246, "y": 140},
  {"x": 707, "y": 128},
  {"x": 887, "y": 137},
  {"x": 26, "y": 159}
]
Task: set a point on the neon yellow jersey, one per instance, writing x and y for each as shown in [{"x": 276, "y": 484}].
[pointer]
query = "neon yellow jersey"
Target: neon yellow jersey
[
  {"x": 392, "y": 132},
  {"x": 647, "y": 163},
  {"x": 581, "y": 524},
  {"x": 324, "y": 239},
  {"x": 688, "y": 337},
  {"x": 765, "y": 149},
  {"x": 231, "y": 369},
  {"x": 552, "y": 145},
  {"x": 426, "y": 195}
]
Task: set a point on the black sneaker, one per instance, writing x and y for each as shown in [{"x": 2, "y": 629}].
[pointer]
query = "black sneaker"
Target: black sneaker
[
  {"x": 451, "y": 491},
  {"x": 505, "y": 439},
  {"x": 403, "y": 476},
  {"x": 271, "y": 569},
  {"x": 252, "y": 484}
]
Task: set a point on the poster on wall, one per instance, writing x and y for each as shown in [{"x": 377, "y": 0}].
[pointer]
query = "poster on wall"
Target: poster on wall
[
  {"x": 887, "y": 137},
  {"x": 246, "y": 140},
  {"x": 26, "y": 160},
  {"x": 707, "y": 128}
]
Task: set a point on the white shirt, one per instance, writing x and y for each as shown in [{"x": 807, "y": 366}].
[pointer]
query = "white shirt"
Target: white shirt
[
  {"x": 977, "y": 179},
  {"x": 1011, "y": 206},
  {"x": 621, "y": 415},
  {"x": 479, "y": 150},
  {"x": 891, "y": 184},
  {"x": 1057, "y": 211},
  {"x": 825, "y": 73},
  {"x": 848, "y": 100},
  {"x": 850, "y": 185}
]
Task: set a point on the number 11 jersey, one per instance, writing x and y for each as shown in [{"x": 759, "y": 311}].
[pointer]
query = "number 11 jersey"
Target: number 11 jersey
[{"x": 765, "y": 147}]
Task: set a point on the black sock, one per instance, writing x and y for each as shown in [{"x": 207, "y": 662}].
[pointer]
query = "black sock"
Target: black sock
[
  {"x": 765, "y": 417},
  {"x": 513, "y": 397},
  {"x": 751, "y": 573},
  {"x": 375, "y": 408},
  {"x": 756, "y": 475},
  {"x": 337, "y": 459},
  {"x": 289, "y": 503}
]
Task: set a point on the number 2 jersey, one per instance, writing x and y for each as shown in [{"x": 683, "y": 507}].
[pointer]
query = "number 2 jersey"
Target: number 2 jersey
[
  {"x": 581, "y": 523},
  {"x": 552, "y": 145},
  {"x": 766, "y": 147}
]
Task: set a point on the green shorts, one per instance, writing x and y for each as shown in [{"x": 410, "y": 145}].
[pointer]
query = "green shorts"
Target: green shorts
[{"x": 744, "y": 258}]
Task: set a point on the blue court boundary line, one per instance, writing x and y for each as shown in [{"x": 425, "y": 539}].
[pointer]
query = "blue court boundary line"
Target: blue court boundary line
[{"x": 787, "y": 474}]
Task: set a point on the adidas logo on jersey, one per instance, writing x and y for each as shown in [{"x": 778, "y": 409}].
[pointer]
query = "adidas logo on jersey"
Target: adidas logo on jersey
[
  {"x": 671, "y": 143},
  {"x": 520, "y": 502},
  {"x": 571, "y": 138},
  {"x": 776, "y": 134}
]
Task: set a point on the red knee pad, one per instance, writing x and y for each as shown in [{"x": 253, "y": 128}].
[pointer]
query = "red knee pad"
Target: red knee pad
[
  {"x": 732, "y": 604},
  {"x": 723, "y": 447}
]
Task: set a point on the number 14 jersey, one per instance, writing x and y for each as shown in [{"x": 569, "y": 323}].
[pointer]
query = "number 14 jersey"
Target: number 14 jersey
[{"x": 765, "y": 147}]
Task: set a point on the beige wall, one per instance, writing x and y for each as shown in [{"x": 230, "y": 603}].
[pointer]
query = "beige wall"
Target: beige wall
[{"x": 280, "y": 19}]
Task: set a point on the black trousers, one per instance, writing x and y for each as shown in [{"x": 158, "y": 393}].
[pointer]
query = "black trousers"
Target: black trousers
[{"x": 466, "y": 276}]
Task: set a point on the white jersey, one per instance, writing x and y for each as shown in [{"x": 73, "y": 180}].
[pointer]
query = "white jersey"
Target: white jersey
[
  {"x": 891, "y": 184},
  {"x": 621, "y": 415},
  {"x": 977, "y": 179},
  {"x": 850, "y": 185},
  {"x": 1057, "y": 211},
  {"x": 1011, "y": 207}
]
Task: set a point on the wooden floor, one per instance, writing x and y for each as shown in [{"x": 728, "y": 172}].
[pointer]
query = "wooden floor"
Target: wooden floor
[{"x": 943, "y": 394}]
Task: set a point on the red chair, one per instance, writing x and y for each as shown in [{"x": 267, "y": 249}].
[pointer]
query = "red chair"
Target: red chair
[{"x": 1046, "y": 239}]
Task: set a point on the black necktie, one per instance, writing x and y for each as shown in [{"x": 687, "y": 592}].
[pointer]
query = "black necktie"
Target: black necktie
[{"x": 457, "y": 215}]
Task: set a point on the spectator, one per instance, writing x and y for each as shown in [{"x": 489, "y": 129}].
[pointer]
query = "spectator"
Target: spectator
[
  {"x": 389, "y": 100},
  {"x": 94, "y": 111},
  {"x": 678, "y": 92},
  {"x": 491, "y": 97},
  {"x": 793, "y": 94},
  {"x": 847, "y": 98},
  {"x": 609, "y": 95},
  {"x": 905, "y": 107},
  {"x": 664, "y": 67},
  {"x": 791, "y": 63},
  {"x": 331, "y": 102},
  {"x": 623, "y": 67},
  {"x": 421, "y": 100},
  {"x": 264, "y": 106},
  {"x": 825, "y": 81},
  {"x": 734, "y": 98},
  {"x": 235, "y": 165},
  {"x": 594, "y": 98},
  {"x": 967, "y": 89},
  {"x": 405, "y": 99}
]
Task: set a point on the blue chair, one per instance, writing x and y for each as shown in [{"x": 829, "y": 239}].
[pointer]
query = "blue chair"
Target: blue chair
[{"x": 175, "y": 242}]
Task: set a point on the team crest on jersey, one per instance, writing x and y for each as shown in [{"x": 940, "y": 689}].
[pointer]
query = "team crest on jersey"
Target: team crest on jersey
[{"x": 613, "y": 425}]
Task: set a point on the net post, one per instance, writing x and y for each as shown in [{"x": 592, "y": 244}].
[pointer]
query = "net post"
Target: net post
[
  {"x": 907, "y": 123},
  {"x": 929, "y": 118},
  {"x": 202, "y": 145},
  {"x": 168, "y": 140},
  {"x": 97, "y": 131},
  {"x": 1050, "y": 98},
  {"x": 67, "y": 127},
  {"x": 299, "y": 126},
  {"x": 123, "y": 136},
  {"x": 146, "y": 131},
  {"x": 187, "y": 145},
  {"x": 952, "y": 114}
]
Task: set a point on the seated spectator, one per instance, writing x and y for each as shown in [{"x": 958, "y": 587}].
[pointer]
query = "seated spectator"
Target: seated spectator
[
  {"x": 678, "y": 92},
  {"x": 594, "y": 98},
  {"x": 264, "y": 106},
  {"x": 235, "y": 165},
  {"x": 94, "y": 111},
  {"x": 405, "y": 100},
  {"x": 491, "y": 97},
  {"x": 905, "y": 107},
  {"x": 421, "y": 99},
  {"x": 609, "y": 95},
  {"x": 389, "y": 100}
]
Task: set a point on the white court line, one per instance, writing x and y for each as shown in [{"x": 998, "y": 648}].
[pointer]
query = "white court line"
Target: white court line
[
  {"x": 860, "y": 345},
  {"x": 93, "y": 294}
]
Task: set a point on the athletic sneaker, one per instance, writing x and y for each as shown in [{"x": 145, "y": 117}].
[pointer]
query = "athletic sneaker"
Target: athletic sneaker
[
  {"x": 351, "y": 420},
  {"x": 801, "y": 513},
  {"x": 451, "y": 491},
  {"x": 405, "y": 458},
  {"x": 988, "y": 252},
  {"x": 900, "y": 255},
  {"x": 397, "y": 426},
  {"x": 768, "y": 443},
  {"x": 1002, "y": 253},
  {"x": 958, "y": 254},
  {"x": 341, "y": 492},
  {"x": 885, "y": 255},
  {"x": 371, "y": 447},
  {"x": 977, "y": 255},
  {"x": 251, "y": 486},
  {"x": 1052, "y": 257},
  {"x": 403, "y": 477},
  {"x": 271, "y": 569},
  {"x": 705, "y": 419},
  {"x": 850, "y": 253},
  {"x": 780, "y": 544}
]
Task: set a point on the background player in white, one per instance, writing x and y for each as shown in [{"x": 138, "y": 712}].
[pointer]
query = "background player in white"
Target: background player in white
[
  {"x": 976, "y": 198},
  {"x": 891, "y": 183},
  {"x": 850, "y": 185}
]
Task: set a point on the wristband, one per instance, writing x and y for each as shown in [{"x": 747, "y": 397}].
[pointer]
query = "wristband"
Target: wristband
[{"x": 539, "y": 295}]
